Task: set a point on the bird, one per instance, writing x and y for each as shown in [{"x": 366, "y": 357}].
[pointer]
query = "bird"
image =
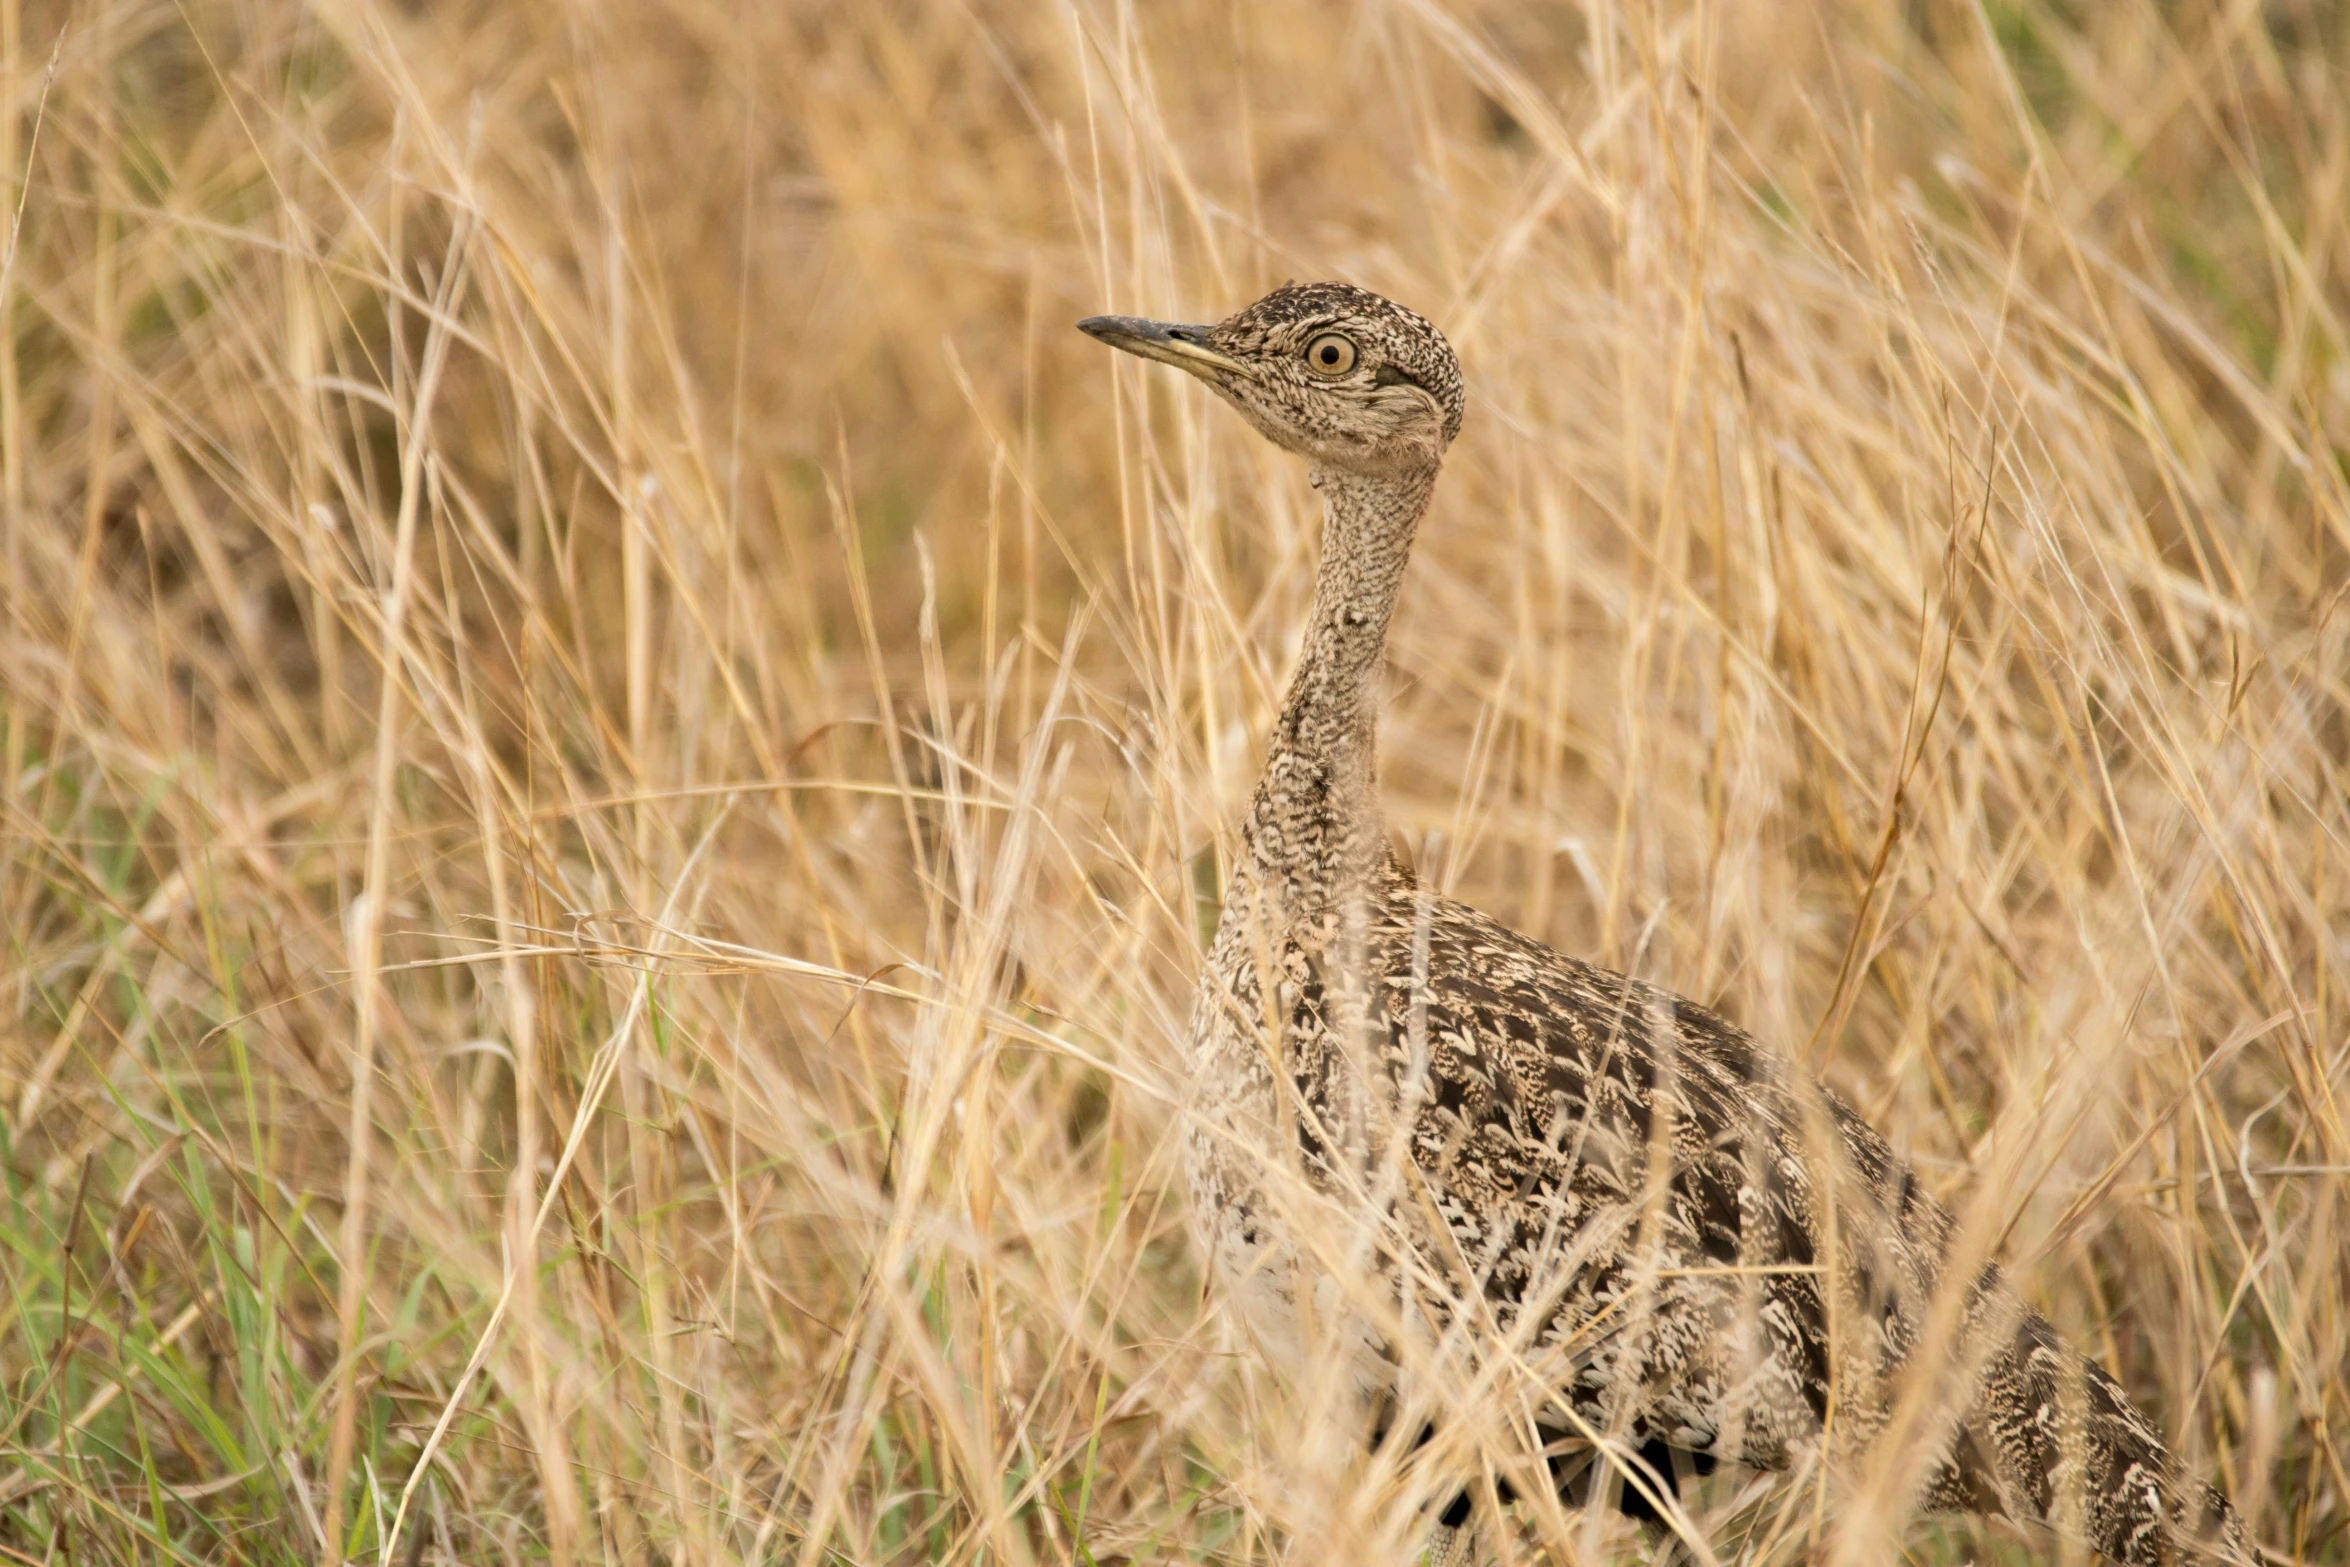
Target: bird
[{"x": 1721, "y": 1256}]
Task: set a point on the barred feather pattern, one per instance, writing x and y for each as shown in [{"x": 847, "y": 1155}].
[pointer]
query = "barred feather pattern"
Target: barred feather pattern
[{"x": 1533, "y": 1090}]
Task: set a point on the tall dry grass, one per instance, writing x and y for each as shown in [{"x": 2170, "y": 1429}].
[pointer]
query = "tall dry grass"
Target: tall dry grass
[{"x": 617, "y": 743}]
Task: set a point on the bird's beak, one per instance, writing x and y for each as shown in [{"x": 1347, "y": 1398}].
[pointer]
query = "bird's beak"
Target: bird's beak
[{"x": 1170, "y": 343}]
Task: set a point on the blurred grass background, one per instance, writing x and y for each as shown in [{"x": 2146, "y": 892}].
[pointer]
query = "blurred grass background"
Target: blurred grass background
[{"x": 614, "y": 743}]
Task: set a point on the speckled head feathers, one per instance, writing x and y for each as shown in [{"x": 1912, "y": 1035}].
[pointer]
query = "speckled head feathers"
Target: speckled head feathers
[{"x": 1335, "y": 373}]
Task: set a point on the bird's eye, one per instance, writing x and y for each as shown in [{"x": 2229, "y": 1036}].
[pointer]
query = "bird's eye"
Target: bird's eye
[{"x": 1330, "y": 354}]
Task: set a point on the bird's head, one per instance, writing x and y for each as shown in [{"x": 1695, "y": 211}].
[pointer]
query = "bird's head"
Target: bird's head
[{"x": 1332, "y": 372}]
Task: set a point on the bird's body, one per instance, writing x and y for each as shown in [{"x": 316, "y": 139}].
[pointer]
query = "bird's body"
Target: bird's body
[{"x": 1709, "y": 1251}]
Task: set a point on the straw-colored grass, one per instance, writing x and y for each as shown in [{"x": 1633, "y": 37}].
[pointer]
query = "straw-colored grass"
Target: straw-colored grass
[{"x": 614, "y": 743}]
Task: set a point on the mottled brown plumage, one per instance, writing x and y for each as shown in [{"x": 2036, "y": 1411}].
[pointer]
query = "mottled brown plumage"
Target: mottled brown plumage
[{"x": 1614, "y": 1180}]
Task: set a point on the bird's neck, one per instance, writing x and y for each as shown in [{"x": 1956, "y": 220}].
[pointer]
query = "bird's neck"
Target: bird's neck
[{"x": 1314, "y": 838}]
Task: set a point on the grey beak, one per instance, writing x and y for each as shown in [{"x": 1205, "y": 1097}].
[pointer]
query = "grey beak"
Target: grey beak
[{"x": 1170, "y": 343}]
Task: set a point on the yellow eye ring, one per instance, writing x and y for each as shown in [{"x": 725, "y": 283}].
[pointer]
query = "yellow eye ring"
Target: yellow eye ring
[{"x": 1330, "y": 354}]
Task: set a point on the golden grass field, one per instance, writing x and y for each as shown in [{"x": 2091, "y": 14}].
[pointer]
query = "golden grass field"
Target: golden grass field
[{"x": 614, "y": 740}]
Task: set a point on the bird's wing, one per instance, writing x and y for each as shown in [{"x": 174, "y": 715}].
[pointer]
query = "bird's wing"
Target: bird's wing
[{"x": 1599, "y": 1149}]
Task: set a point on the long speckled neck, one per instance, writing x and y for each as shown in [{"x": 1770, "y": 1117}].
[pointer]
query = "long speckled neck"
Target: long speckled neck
[{"x": 1314, "y": 829}]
